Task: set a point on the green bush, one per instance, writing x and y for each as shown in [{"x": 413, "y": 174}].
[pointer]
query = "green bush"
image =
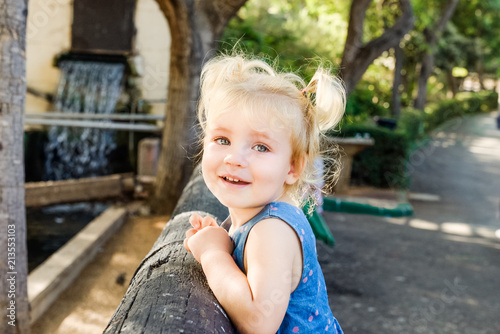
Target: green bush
[
  {"x": 465, "y": 103},
  {"x": 411, "y": 123},
  {"x": 360, "y": 106},
  {"x": 384, "y": 164}
]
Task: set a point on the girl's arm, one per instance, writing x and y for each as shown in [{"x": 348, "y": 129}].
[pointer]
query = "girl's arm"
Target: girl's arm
[{"x": 257, "y": 302}]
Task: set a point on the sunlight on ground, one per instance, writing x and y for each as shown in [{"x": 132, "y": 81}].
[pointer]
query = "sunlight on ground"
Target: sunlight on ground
[
  {"x": 85, "y": 321},
  {"x": 423, "y": 224},
  {"x": 453, "y": 228},
  {"x": 456, "y": 228},
  {"x": 472, "y": 240}
]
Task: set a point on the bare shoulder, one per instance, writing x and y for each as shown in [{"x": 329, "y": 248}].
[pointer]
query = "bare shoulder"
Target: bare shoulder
[
  {"x": 276, "y": 230},
  {"x": 274, "y": 248}
]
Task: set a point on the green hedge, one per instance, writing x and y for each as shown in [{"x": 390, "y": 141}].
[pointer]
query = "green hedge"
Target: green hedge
[
  {"x": 382, "y": 165},
  {"x": 465, "y": 103},
  {"x": 411, "y": 123}
]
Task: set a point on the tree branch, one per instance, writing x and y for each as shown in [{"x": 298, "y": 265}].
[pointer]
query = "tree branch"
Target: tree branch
[{"x": 360, "y": 57}]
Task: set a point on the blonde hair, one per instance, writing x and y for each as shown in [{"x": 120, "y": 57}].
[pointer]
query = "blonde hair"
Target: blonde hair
[{"x": 308, "y": 110}]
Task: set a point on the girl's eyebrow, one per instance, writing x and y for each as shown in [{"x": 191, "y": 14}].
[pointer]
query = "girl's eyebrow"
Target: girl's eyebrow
[
  {"x": 265, "y": 135},
  {"x": 261, "y": 135},
  {"x": 218, "y": 128}
]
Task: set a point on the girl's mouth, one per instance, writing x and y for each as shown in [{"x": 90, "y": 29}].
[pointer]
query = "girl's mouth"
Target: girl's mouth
[{"x": 234, "y": 180}]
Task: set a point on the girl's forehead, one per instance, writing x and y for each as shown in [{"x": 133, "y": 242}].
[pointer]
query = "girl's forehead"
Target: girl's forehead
[
  {"x": 258, "y": 118},
  {"x": 261, "y": 123}
]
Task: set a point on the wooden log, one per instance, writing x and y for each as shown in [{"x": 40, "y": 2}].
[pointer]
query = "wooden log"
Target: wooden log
[
  {"x": 169, "y": 292},
  {"x": 85, "y": 189}
]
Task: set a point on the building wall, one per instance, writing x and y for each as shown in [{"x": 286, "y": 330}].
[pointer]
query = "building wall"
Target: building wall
[
  {"x": 49, "y": 34},
  {"x": 153, "y": 45}
]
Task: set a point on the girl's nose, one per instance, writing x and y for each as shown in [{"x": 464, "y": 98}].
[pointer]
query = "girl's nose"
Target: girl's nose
[{"x": 236, "y": 158}]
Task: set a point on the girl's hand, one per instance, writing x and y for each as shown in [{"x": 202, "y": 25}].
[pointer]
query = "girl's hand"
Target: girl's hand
[
  {"x": 198, "y": 222},
  {"x": 206, "y": 236}
]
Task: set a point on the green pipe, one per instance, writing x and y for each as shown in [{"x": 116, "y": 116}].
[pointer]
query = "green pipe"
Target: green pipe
[{"x": 339, "y": 205}]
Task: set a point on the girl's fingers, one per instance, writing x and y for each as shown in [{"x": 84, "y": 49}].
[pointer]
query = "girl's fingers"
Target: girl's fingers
[
  {"x": 186, "y": 244},
  {"x": 189, "y": 234},
  {"x": 208, "y": 221},
  {"x": 196, "y": 221}
]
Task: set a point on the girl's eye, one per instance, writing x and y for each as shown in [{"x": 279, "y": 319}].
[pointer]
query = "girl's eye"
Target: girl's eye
[
  {"x": 261, "y": 148},
  {"x": 222, "y": 141}
]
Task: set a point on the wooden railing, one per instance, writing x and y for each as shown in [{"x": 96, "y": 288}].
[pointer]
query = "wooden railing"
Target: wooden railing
[{"x": 168, "y": 292}]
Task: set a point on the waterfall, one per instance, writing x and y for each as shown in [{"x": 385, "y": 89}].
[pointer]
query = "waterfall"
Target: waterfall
[{"x": 84, "y": 87}]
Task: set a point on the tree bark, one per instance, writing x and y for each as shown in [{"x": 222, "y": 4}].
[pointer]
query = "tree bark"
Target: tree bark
[
  {"x": 169, "y": 292},
  {"x": 195, "y": 26},
  {"x": 432, "y": 37},
  {"x": 452, "y": 84},
  {"x": 13, "y": 265},
  {"x": 358, "y": 56},
  {"x": 398, "y": 81}
]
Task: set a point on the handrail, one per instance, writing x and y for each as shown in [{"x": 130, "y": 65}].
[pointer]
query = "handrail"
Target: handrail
[
  {"x": 74, "y": 115},
  {"x": 169, "y": 292},
  {"x": 94, "y": 124}
]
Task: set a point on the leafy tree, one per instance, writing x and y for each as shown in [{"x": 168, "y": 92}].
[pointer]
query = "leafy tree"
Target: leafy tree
[
  {"x": 478, "y": 21},
  {"x": 432, "y": 35},
  {"x": 298, "y": 33},
  {"x": 358, "y": 54}
]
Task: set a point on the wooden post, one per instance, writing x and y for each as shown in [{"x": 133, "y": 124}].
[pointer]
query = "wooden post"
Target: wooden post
[
  {"x": 169, "y": 292},
  {"x": 14, "y": 307}
]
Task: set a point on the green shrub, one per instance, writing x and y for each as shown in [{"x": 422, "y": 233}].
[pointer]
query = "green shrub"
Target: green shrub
[
  {"x": 465, "y": 103},
  {"x": 411, "y": 123},
  {"x": 360, "y": 106},
  {"x": 384, "y": 164}
]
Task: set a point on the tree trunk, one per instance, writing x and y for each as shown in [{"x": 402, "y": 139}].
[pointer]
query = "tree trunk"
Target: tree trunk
[
  {"x": 169, "y": 292},
  {"x": 431, "y": 37},
  {"x": 452, "y": 84},
  {"x": 398, "y": 81},
  {"x": 480, "y": 72},
  {"x": 13, "y": 265},
  {"x": 357, "y": 57},
  {"x": 195, "y": 27}
]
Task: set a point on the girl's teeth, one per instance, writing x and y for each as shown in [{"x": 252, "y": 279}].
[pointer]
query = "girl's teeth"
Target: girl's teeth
[{"x": 232, "y": 180}]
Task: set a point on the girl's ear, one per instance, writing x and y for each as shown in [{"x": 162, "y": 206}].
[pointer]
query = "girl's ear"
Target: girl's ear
[{"x": 296, "y": 169}]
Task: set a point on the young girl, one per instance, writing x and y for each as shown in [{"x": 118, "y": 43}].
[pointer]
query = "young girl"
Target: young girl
[{"x": 261, "y": 136}]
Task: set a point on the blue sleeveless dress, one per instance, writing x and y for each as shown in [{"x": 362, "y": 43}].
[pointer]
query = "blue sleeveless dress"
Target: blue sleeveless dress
[{"x": 308, "y": 309}]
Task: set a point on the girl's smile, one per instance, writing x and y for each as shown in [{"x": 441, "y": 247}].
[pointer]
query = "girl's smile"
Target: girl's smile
[{"x": 246, "y": 166}]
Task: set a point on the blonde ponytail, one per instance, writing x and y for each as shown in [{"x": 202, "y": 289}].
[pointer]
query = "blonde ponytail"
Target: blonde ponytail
[{"x": 328, "y": 100}]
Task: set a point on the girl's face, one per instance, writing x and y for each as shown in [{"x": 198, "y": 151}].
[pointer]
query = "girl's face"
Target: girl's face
[{"x": 246, "y": 166}]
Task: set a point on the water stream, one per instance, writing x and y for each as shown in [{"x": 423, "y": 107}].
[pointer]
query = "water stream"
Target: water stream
[
  {"x": 84, "y": 87},
  {"x": 70, "y": 152}
]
